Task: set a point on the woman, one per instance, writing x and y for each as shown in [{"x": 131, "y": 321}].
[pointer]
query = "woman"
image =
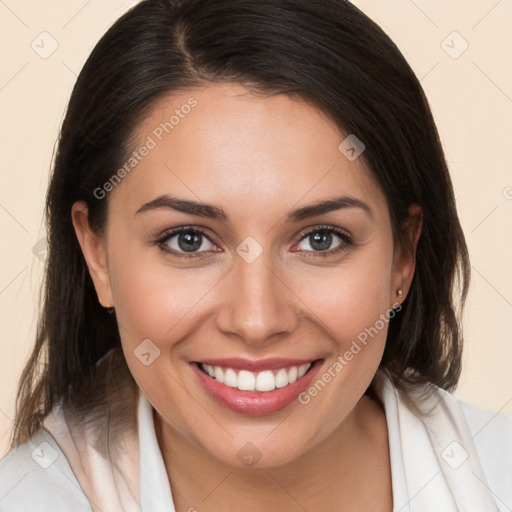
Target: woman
[{"x": 253, "y": 275}]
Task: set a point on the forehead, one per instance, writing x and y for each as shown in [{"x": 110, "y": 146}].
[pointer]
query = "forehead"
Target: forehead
[{"x": 225, "y": 145}]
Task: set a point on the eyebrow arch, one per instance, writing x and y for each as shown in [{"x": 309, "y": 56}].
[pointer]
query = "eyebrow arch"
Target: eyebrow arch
[
  {"x": 185, "y": 206},
  {"x": 216, "y": 213},
  {"x": 327, "y": 206}
]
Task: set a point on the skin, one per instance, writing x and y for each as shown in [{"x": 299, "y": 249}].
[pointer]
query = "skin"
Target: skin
[{"x": 257, "y": 158}]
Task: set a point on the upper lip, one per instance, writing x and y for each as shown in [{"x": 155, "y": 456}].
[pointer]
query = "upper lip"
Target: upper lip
[{"x": 256, "y": 365}]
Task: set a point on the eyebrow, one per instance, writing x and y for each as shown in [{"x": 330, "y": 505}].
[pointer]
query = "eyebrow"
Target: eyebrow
[{"x": 209, "y": 211}]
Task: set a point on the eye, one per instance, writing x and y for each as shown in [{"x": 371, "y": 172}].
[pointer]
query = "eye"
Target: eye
[
  {"x": 186, "y": 242},
  {"x": 321, "y": 240}
]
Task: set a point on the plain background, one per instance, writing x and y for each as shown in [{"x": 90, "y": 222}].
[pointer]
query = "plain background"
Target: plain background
[{"x": 470, "y": 92}]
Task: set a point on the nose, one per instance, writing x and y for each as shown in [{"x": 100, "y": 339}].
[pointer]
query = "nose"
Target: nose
[{"x": 257, "y": 303}]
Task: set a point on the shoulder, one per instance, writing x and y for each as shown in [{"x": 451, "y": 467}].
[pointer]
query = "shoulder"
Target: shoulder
[
  {"x": 432, "y": 423},
  {"x": 488, "y": 427},
  {"x": 36, "y": 476},
  {"x": 492, "y": 436}
]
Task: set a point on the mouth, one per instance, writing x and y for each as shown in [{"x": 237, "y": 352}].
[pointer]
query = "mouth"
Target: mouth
[
  {"x": 255, "y": 387},
  {"x": 264, "y": 381}
]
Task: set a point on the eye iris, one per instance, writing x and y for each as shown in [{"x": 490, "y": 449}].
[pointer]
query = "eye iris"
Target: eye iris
[
  {"x": 189, "y": 242},
  {"x": 322, "y": 238}
]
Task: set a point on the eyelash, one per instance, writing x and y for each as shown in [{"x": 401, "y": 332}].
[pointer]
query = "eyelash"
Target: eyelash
[{"x": 343, "y": 235}]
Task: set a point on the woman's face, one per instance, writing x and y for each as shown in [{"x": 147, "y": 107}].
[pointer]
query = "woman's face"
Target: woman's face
[{"x": 285, "y": 263}]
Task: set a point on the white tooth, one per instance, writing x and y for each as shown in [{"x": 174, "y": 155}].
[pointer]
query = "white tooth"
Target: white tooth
[
  {"x": 230, "y": 378},
  {"x": 282, "y": 378},
  {"x": 292, "y": 374},
  {"x": 246, "y": 381},
  {"x": 208, "y": 369},
  {"x": 303, "y": 369},
  {"x": 219, "y": 374},
  {"x": 265, "y": 381}
]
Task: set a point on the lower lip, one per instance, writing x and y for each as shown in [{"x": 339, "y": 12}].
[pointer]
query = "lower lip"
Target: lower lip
[{"x": 256, "y": 403}]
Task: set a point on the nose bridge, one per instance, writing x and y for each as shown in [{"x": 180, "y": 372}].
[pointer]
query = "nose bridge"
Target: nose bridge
[{"x": 256, "y": 304}]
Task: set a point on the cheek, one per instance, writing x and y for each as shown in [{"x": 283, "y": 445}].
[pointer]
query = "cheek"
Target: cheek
[
  {"x": 158, "y": 310},
  {"x": 155, "y": 300},
  {"x": 349, "y": 298},
  {"x": 350, "y": 304}
]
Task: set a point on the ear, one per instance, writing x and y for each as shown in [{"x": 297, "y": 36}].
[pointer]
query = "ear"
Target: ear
[
  {"x": 405, "y": 254},
  {"x": 93, "y": 249}
]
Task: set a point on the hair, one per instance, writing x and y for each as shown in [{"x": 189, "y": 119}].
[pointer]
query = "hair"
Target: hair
[{"x": 326, "y": 52}]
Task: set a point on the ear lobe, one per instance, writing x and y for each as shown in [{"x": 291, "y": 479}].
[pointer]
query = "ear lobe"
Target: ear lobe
[
  {"x": 405, "y": 253},
  {"x": 93, "y": 249}
]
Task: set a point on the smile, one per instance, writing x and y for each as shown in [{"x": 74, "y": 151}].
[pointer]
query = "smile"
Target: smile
[
  {"x": 263, "y": 381},
  {"x": 255, "y": 387}
]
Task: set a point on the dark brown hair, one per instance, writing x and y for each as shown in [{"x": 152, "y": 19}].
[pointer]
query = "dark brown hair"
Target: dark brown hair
[{"x": 324, "y": 51}]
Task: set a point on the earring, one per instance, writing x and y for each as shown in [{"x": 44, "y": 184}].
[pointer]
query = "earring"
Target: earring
[
  {"x": 399, "y": 292},
  {"x": 108, "y": 307}
]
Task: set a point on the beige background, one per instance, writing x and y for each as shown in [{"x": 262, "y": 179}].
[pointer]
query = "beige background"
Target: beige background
[{"x": 471, "y": 97}]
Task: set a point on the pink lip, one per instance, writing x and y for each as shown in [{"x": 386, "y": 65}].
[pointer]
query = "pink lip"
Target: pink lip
[
  {"x": 255, "y": 403},
  {"x": 255, "y": 365}
]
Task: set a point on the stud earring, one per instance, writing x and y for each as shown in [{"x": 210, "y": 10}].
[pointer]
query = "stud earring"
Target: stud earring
[
  {"x": 108, "y": 307},
  {"x": 399, "y": 293}
]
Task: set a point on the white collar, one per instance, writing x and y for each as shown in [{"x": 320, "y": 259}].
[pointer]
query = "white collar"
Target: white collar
[{"x": 155, "y": 491}]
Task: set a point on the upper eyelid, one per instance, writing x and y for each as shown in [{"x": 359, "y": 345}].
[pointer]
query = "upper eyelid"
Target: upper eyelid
[
  {"x": 170, "y": 233},
  {"x": 308, "y": 231}
]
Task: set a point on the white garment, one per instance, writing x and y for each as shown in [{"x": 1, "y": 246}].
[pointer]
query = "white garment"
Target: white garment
[{"x": 457, "y": 458}]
